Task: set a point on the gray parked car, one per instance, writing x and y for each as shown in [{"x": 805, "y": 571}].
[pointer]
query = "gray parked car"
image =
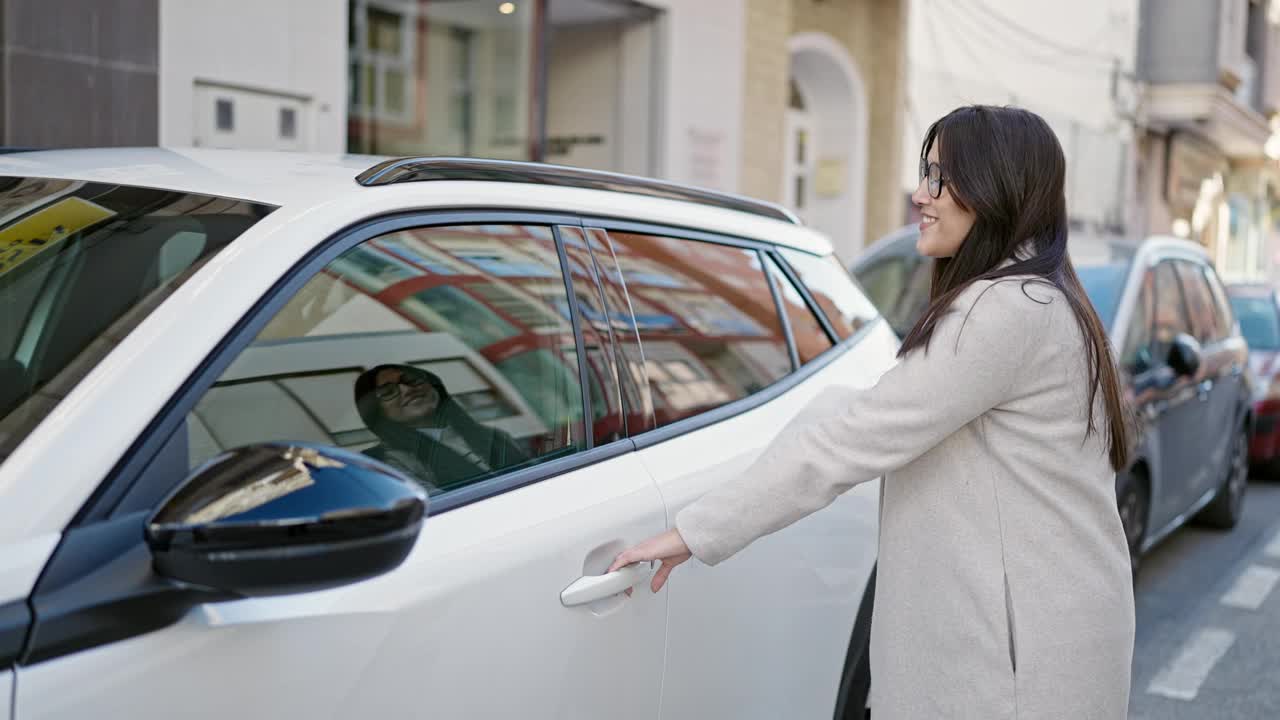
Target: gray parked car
[{"x": 1183, "y": 363}]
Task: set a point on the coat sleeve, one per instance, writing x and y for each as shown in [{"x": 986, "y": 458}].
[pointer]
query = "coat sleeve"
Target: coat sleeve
[{"x": 849, "y": 436}]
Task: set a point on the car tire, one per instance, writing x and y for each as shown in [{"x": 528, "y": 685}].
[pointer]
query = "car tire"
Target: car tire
[
  {"x": 1133, "y": 500},
  {"x": 1224, "y": 512}
]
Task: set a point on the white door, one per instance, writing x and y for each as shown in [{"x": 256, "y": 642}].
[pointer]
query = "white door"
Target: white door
[
  {"x": 6, "y": 694},
  {"x": 765, "y": 634},
  {"x": 476, "y": 623}
]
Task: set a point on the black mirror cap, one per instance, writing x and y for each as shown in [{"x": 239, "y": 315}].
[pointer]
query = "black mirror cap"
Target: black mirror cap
[
  {"x": 278, "y": 518},
  {"x": 1184, "y": 355}
]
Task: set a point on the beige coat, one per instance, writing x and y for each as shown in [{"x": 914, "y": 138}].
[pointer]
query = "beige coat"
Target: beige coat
[{"x": 1003, "y": 588}]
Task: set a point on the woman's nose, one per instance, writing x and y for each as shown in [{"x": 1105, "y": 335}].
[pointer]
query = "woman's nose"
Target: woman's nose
[{"x": 920, "y": 197}]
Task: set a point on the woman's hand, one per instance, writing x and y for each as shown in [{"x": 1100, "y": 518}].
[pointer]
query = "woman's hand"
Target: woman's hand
[{"x": 668, "y": 547}]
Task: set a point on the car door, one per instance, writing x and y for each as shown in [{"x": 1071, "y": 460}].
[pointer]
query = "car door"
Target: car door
[
  {"x": 456, "y": 354},
  {"x": 767, "y": 633},
  {"x": 1215, "y": 400}
]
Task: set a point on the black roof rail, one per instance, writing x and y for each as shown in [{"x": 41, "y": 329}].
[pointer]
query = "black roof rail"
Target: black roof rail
[{"x": 419, "y": 169}]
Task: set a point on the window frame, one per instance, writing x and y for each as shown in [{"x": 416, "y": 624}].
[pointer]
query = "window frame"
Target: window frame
[
  {"x": 737, "y": 407},
  {"x": 128, "y": 485}
]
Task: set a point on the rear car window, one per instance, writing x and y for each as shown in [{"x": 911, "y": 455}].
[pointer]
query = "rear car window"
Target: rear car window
[
  {"x": 81, "y": 264},
  {"x": 707, "y": 322},
  {"x": 832, "y": 287}
]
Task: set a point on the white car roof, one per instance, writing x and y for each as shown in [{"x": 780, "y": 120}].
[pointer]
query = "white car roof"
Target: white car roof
[{"x": 301, "y": 180}]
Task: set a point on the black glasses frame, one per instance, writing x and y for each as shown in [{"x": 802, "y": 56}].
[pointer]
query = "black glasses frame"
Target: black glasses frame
[{"x": 933, "y": 172}]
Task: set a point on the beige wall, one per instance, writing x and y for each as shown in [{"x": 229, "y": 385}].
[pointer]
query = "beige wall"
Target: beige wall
[{"x": 874, "y": 33}]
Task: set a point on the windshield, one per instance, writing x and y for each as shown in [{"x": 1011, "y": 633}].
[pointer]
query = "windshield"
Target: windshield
[
  {"x": 81, "y": 264},
  {"x": 1103, "y": 283},
  {"x": 1258, "y": 321}
]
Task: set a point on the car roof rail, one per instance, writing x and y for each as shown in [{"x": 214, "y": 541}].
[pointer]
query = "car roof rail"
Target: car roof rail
[{"x": 421, "y": 169}]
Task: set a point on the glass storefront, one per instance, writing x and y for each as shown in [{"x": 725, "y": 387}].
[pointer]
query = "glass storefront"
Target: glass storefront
[{"x": 563, "y": 81}]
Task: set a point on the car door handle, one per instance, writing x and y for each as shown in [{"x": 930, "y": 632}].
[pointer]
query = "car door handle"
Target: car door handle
[
  {"x": 589, "y": 588},
  {"x": 1202, "y": 390}
]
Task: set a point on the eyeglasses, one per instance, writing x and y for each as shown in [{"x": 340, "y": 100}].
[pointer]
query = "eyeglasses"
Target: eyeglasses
[
  {"x": 932, "y": 171},
  {"x": 387, "y": 392}
]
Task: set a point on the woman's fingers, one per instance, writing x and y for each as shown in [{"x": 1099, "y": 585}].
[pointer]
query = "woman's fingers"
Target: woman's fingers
[
  {"x": 669, "y": 548},
  {"x": 660, "y": 577}
]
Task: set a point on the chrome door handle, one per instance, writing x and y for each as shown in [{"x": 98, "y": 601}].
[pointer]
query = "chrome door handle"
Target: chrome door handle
[
  {"x": 1202, "y": 390},
  {"x": 589, "y": 588}
]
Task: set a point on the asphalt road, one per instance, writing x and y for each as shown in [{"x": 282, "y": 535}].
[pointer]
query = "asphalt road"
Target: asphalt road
[{"x": 1208, "y": 641}]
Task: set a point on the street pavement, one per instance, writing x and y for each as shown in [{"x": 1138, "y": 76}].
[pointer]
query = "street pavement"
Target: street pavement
[{"x": 1208, "y": 640}]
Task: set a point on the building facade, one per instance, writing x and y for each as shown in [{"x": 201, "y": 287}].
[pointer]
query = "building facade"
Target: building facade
[
  {"x": 1207, "y": 167},
  {"x": 795, "y": 101}
]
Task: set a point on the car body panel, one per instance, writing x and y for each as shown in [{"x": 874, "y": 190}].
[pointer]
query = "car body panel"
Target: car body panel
[
  {"x": 803, "y": 583},
  {"x": 475, "y": 605}
]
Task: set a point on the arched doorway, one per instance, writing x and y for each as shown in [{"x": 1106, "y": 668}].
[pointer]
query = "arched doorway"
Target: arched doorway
[{"x": 825, "y": 157}]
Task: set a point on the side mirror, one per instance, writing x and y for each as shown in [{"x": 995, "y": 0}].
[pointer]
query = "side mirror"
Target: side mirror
[
  {"x": 1184, "y": 355},
  {"x": 280, "y": 518}
]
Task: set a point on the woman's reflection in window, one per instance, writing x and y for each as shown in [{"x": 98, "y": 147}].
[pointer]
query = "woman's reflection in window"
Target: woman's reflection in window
[{"x": 425, "y": 432}]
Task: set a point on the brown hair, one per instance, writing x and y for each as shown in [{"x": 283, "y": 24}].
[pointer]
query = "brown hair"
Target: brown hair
[{"x": 1006, "y": 166}]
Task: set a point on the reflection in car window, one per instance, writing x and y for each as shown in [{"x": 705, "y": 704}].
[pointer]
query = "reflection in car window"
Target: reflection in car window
[
  {"x": 1135, "y": 356},
  {"x": 1203, "y": 314},
  {"x": 806, "y": 330},
  {"x": 81, "y": 264},
  {"x": 1170, "y": 312},
  {"x": 885, "y": 282},
  {"x": 707, "y": 321},
  {"x": 834, "y": 290},
  {"x": 445, "y": 352}
]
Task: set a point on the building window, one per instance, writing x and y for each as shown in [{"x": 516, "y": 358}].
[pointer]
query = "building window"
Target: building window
[
  {"x": 288, "y": 123},
  {"x": 224, "y": 115}
]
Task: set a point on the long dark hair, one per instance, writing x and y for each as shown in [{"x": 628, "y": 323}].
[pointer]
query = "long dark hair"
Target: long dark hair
[{"x": 1005, "y": 165}]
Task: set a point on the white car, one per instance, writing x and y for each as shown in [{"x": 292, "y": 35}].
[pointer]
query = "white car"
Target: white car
[{"x": 302, "y": 436}]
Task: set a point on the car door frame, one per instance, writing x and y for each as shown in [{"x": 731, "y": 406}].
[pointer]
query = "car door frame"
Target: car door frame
[{"x": 105, "y": 522}]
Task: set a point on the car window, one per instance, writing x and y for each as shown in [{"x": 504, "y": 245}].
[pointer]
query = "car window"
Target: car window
[
  {"x": 884, "y": 282},
  {"x": 708, "y": 324},
  {"x": 1135, "y": 354},
  {"x": 1259, "y": 321},
  {"x": 1226, "y": 321},
  {"x": 832, "y": 287},
  {"x": 1103, "y": 284},
  {"x": 1170, "y": 312},
  {"x": 81, "y": 264},
  {"x": 445, "y": 352},
  {"x": 806, "y": 330},
  {"x": 1202, "y": 312}
]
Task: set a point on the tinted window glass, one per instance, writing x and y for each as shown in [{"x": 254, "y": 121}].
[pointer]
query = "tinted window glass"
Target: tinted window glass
[
  {"x": 707, "y": 321},
  {"x": 1103, "y": 284},
  {"x": 81, "y": 264},
  {"x": 1170, "y": 313},
  {"x": 637, "y": 404},
  {"x": 1226, "y": 321},
  {"x": 460, "y": 365},
  {"x": 833, "y": 289},
  {"x": 885, "y": 281},
  {"x": 1203, "y": 314},
  {"x": 811, "y": 340},
  {"x": 1258, "y": 320},
  {"x": 1136, "y": 353}
]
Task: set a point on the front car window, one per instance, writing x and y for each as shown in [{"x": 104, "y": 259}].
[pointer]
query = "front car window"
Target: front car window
[
  {"x": 458, "y": 366},
  {"x": 81, "y": 264}
]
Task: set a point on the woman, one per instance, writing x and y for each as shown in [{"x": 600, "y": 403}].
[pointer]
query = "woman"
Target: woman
[
  {"x": 424, "y": 431},
  {"x": 1003, "y": 587}
]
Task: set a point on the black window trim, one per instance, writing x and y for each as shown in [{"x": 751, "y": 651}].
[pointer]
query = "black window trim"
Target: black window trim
[
  {"x": 121, "y": 481},
  {"x": 793, "y": 351}
]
